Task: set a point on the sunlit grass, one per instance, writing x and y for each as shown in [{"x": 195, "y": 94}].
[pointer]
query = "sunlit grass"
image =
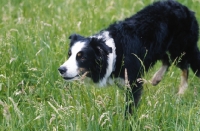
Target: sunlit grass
[{"x": 33, "y": 44}]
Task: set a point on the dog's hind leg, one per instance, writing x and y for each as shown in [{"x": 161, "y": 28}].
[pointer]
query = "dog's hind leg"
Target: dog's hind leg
[
  {"x": 195, "y": 61},
  {"x": 184, "y": 81},
  {"x": 157, "y": 77}
]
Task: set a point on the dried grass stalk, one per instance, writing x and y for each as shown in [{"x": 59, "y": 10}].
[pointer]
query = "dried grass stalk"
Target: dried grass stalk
[
  {"x": 127, "y": 84},
  {"x": 84, "y": 76}
]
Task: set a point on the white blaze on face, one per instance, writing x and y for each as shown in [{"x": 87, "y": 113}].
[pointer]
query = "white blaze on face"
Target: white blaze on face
[{"x": 71, "y": 64}]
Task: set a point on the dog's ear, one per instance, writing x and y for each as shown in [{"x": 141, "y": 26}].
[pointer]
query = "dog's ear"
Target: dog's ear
[
  {"x": 75, "y": 37},
  {"x": 100, "y": 46}
]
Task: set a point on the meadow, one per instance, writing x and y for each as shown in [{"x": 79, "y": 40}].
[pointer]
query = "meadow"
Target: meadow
[{"x": 33, "y": 97}]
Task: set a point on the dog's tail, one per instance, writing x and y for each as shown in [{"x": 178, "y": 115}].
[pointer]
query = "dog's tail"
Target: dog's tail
[{"x": 195, "y": 61}]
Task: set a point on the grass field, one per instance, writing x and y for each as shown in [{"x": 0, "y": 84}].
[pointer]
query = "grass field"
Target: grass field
[{"x": 33, "y": 44}]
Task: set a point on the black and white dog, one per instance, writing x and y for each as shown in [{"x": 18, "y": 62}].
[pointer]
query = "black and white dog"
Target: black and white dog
[{"x": 165, "y": 30}]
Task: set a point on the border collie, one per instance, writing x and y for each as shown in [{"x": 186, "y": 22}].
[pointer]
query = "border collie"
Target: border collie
[{"x": 164, "y": 30}]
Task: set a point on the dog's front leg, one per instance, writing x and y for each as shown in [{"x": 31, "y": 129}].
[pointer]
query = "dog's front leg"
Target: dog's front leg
[{"x": 133, "y": 95}]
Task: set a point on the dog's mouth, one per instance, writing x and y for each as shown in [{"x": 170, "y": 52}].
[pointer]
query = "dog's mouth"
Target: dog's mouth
[
  {"x": 71, "y": 78},
  {"x": 77, "y": 77}
]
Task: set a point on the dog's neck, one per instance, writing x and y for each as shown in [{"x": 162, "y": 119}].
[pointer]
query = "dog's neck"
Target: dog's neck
[{"x": 111, "y": 57}]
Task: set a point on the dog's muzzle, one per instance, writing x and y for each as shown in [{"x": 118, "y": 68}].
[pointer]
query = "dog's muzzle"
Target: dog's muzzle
[{"x": 63, "y": 70}]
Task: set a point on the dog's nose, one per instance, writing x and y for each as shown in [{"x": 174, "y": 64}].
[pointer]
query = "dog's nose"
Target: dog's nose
[{"x": 62, "y": 69}]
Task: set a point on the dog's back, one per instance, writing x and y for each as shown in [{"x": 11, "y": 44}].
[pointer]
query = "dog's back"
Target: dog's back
[{"x": 162, "y": 27}]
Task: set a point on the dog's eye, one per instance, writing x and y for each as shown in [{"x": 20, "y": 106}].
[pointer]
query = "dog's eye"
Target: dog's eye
[
  {"x": 69, "y": 53},
  {"x": 80, "y": 56}
]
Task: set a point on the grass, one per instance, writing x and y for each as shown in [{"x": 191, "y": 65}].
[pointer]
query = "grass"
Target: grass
[{"x": 34, "y": 42}]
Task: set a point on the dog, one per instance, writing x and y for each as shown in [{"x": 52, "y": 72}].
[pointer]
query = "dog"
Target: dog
[{"x": 164, "y": 30}]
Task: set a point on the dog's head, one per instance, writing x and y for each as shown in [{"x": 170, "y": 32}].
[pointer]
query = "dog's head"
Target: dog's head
[{"x": 85, "y": 55}]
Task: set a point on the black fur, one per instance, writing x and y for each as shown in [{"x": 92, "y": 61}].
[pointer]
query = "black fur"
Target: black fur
[{"x": 101, "y": 50}]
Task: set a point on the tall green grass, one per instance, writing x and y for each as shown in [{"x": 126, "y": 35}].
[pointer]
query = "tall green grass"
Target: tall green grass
[{"x": 33, "y": 44}]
